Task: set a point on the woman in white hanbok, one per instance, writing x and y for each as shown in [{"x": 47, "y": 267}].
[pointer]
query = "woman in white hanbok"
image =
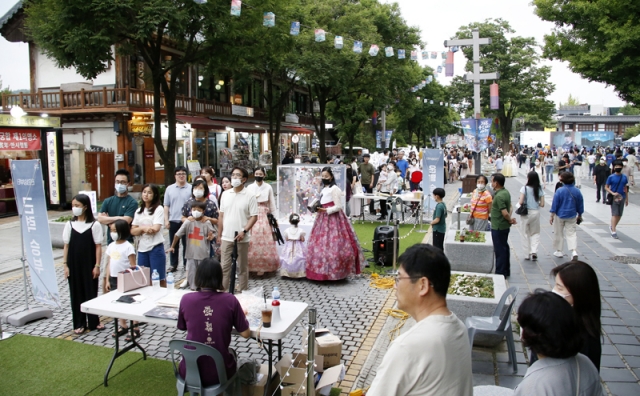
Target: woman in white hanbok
[{"x": 507, "y": 167}]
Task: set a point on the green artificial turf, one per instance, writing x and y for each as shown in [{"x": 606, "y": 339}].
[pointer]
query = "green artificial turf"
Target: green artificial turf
[
  {"x": 35, "y": 365},
  {"x": 365, "y": 236}
]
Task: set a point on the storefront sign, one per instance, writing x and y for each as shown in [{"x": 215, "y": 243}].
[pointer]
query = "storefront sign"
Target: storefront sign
[
  {"x": 242, "y": 111},
  {"x": 30, "y": 121},
  {"x": 433, "y": 170},
  {"x": 295, "y": 138},
  {"x": 29, "y": 191},
  {"x": 52, "y": 150},
  {"x": 149, "y": 154},
  {"x": 94, "y": 200},
  {"x": 140, "y": 128},
  {"x": 24, "y": 139}
]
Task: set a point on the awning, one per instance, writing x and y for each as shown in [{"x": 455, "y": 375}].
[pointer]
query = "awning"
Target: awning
[
  {"x": 295, "y": 129},
  {"x": 208, "y": 124}
]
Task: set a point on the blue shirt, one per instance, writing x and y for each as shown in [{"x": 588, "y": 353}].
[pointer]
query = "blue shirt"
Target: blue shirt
[
  {"x": 567, "y": 202},
  {"x": 402, "y": 165},
  {"x": 617, "y": 183},
  {"x": 610, "y": 159}
]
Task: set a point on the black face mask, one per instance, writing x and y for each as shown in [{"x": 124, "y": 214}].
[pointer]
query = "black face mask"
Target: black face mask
[
  {"x": 259, "y": 178},
  {"x": 326, "y": 182},
  {"x": 617, "y": 170}
]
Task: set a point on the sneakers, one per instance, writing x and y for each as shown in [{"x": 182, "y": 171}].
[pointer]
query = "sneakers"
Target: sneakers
[
  {"x": 574, "y": 255},
  {"x": 184, "y": 284},
  {"x": 534, "y": 257},
  {"x": 558, "y": 253},
  {"x": 614, "y": 234},
  {"x": 528, "y": 257}
]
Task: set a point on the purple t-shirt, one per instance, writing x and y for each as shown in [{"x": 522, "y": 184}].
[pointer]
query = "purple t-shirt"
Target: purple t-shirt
[{"x": 209, "y": 318}]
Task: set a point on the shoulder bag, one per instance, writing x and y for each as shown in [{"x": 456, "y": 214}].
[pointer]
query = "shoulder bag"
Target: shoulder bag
[
  {"x": 133, "y": 279},
  {"x": 523, "y": 210},
  {"x": 471, "y": 220},
  {"x": 611, "y": 196}
]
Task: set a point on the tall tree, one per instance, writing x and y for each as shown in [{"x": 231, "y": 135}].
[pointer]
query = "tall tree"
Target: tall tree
[
  {"x": 571, "y": 101},
  {"x": 81, "y": 34},
  {"x": 524, "y": 84},
  {"x": 599, "y": 39}
]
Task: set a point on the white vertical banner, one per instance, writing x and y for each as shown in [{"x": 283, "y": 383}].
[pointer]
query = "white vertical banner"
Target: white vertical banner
[
  {"x": 433, "y": 173},
  {"x": 52, "y": 151}
]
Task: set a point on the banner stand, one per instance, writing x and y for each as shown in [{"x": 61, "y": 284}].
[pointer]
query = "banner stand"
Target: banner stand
[{"x": 27, "y": 315}]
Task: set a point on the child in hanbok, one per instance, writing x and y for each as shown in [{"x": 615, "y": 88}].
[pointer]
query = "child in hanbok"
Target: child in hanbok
[{"x": 292, "y": 258}]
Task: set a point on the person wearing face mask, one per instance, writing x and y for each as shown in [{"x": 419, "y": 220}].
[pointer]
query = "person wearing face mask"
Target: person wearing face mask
[
  {"x": 198, "y": 231},
  {"x": 601, "y": 173},
  {"x": 121, "y": 206},
  {"x": 568, "y": 207},
  {"x": 617, "y": 185},
  {"x": 82, "y": 238},
  {"x": 537, "y": 167},
  {"x": 333, "y": 250},
  {"x": 549, "y": 327},
  {"x": 415, "y": 175},
  {"x": 238, "y": 213},
  {"x": 175, "y": 196},
  {"x": 263, "y": 254},
  {"x": 214, "y": 188},
  {"x": 481, "y": 201},
  {"x": 147, "y": 226},
  {"x": 388, "y": 186},
  {"x": 531, "y": 194}
]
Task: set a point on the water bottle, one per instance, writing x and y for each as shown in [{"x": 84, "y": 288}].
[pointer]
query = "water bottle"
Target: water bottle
[
  {"x": 170, "y": 283},
  {"x": 275, "y": 305},
  {"x": 155, "y": 280}
]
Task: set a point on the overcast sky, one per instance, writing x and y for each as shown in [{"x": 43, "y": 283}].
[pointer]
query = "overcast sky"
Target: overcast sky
[{"x": 438, "y": 21}]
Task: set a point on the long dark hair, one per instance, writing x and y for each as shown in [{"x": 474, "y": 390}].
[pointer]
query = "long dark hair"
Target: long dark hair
[
  {"x": 533, "y": 181},
  {"x": 330, "y": 172},
  {"x": 155, "y": 202},
  {"x": 88, "y": 212},
  {"x": 582, "y": 282}
]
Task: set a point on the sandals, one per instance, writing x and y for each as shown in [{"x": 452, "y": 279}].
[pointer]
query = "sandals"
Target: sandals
[
  {"x": 121, "y": 331},
  {"x": 100, "y": 327},
  {"x": 136, "y": 334},
  {"x": 79, "y": 330}
]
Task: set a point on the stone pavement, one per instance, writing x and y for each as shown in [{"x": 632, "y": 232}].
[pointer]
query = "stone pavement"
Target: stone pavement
[{"x": 354, "y": 310}]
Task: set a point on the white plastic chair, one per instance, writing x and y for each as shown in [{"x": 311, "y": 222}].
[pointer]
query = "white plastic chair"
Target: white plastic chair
[
  {"x": 191, "y": 351},
  {"x": 497, "y": 325}
]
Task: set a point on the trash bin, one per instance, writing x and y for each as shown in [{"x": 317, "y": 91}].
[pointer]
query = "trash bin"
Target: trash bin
[
  {"x": 383, "y": 245},
  {"x": 469, "y": 183}
]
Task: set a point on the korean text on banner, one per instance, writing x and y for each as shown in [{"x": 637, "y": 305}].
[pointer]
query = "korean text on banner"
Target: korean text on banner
[
  {"x": 387, "y": 138},
  {"x": 476, "y": 133},
  {"x": 29, "y": 190},
  {"x": 20, "y": 140},
  {"x": 52, "y": 150},
  {"x": 433, "y": 169}
]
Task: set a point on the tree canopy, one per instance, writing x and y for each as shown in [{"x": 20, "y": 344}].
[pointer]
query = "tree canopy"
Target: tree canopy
[
  {"x": 599, "y": 39},
  {"x": 524, "y": 83}
]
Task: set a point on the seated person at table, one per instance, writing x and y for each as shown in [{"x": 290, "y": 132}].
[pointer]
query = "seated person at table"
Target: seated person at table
[{"x": 208, "y": 316}]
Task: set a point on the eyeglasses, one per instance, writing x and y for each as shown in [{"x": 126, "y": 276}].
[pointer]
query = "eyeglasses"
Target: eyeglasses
[
  {"x": 397, "y": 278},
  {"x": 181, "y": 174},
  {"x": 122, "y": 183},
  {"x": 237, "y": 175}
]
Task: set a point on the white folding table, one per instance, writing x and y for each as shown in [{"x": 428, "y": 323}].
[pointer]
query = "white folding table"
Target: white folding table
[
  {"x": 291, "y": 313},
  {"x": 407, "y": 197}
]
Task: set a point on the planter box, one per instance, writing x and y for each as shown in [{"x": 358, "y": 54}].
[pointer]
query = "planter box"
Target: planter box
[
  {"x": 56, "y": 229},
  {"x": 469, "y": 256},
  {"x": 465, "y": 199},
  {"x": 463, "y": 219},
  {"x": 465, "y": 307}
]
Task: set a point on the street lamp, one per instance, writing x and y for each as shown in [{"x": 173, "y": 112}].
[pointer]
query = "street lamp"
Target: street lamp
[{"x": 17, "y": 112}]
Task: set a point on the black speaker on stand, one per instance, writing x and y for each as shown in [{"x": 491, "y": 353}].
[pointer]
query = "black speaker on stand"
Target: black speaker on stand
[{"x": 383, "y": 245}]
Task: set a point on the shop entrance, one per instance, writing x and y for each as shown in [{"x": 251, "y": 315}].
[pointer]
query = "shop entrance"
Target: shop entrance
[
  {"x": 208, "y": 147},
  {"x": 100, "y": 172}
]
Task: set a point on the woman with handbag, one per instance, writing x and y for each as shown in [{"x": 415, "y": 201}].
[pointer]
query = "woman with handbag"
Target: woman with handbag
[
  {"x": 333, "y": 250},
  {"x": 82, "y": 238},
  {"x": 530, "y": 202},
  {"x": 481, "y": 200}
]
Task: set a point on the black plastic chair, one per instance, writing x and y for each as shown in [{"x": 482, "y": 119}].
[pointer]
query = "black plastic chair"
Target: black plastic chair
[{"x": 191, "y": 351}]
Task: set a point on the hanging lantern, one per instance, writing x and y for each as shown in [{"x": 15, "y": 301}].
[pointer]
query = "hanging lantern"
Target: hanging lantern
[
  {"x": 494, "y": 94},
  {"x": 448, "y": 66}
]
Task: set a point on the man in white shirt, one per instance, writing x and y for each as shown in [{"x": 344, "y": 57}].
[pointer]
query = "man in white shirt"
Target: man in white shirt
[
  {"x": 434, "y": 356},
  {"x": 238, "y": 212},
  {"x": 591, "y": 158}
]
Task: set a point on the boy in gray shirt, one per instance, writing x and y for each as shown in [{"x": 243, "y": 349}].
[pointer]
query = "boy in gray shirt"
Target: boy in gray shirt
[{"x": 198, "y": 233}]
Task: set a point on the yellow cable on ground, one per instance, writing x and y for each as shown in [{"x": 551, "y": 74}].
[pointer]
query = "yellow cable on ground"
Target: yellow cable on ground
[
  {"x": 398, "y": 314},
  {"x": 379, "y": 282}
]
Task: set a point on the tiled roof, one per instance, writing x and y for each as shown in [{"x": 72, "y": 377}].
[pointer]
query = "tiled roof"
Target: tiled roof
[
  {"x": 14, "y": 10},
  {"x": 600, "y": 119}
]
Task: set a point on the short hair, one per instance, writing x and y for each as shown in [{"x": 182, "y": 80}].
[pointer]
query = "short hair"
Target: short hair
[
  {"x": 180, "y": 168},
  {"x": 486, "y": 180},
  {"x": 124, "y": 172},
  {"x": 498, "y": 178},
  {"x": 209, "y": 274},
  {"x": 439, "y": 192},
  {"x": 199, "y": 205},
  {"x": 582, "y": 283},
  {"x": 123, "y": 229},
  {"x": 423, "y": 260},
  {"x": 244, "y": 172},
  {"x": 366, "y": 155},
  {"x": 567, "y": 178},
  {"x": 549, "y": 325},
  {"x": 617, "y": 162},
  {"x": 203, "y": 183}
]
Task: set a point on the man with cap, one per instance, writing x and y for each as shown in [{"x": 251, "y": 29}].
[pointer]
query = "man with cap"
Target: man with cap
[{"x": 366, "y": 171}]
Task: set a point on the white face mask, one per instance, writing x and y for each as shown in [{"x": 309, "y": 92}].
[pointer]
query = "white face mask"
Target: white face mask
[
  {"x": 480, "y": 186},
  {"x": 560, "y": 294},
  {"x": 537, "y": 163},
  {"x": 198, "y": 193},
  {"x": 236, "y": 183},
  {"x": 114, "y": 236},
  {"x": 120, "y": 188},
  {"x": 390, "y": 168},
  {"x": 196, "y": 214},
  {"x": 77, "y": 211}
]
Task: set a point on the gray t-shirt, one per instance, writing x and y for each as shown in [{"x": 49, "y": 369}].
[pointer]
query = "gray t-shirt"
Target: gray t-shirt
[
  {"x": 550, "y": 376},
  {"x": 175, "y": 198},
  {"x": 197, "y": 243}
]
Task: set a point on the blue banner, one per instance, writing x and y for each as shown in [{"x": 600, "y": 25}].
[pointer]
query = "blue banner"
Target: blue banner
[
  {"x": 476, "y": 133},
  {"x": 378, "y": 139},
  {"x": 433, "y": 174},
  {"x": 387, "y": 138},
  {"x": 30, "y": 197}
]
